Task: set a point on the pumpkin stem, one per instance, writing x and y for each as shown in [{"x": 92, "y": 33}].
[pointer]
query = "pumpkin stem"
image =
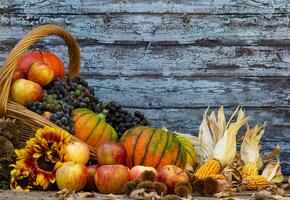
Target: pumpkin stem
[
  {"x": 103, "y": 114},
  {"x": 164, "y": 129}
]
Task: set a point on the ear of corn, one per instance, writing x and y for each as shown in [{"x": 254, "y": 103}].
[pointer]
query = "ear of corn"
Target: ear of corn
[
  {"x": 251, "y": 157},
  {"x": 210, "y": 167},
  {"x": 218, "y": 140},
  {"x": 218, "y": 177},
  {"x": 255, "y": 182},
  {"x": 249, "y": 169}
]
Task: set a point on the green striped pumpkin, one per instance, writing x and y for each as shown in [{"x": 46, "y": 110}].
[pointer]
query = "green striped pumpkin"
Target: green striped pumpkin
[
  {"x": 91, "y": 128},
  {"x": 156, "y": 147}
]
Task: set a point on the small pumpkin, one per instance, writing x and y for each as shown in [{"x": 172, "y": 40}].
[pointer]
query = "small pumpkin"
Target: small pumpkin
[
  {"x": 51, "y": 60},
  {"x": 92, "y": 128},
  {"x": 155, "y": 147}
]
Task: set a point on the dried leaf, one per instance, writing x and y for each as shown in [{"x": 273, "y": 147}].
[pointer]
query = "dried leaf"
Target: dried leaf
[
  {"x": 135, "y": 194},
  {"x": 223, "y": 194},
  {"x": 272, "y": 155},
  {"x": 232, "y": 173},
  {"x": 278, "y": 197},
  {"x": 112, "y": 197},
  {"x": 263, "y": 194},
  {"x": 64, "y": 193},
  {"x": 86, "y": 194},
  {"x": 272, "y": 172}
]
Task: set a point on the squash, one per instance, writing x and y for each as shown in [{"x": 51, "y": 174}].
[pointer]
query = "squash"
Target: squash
[
  {"x": 155, "y": 147},
  {"x": 92, "y": 128},
  {"x": 51, "y": 60}
]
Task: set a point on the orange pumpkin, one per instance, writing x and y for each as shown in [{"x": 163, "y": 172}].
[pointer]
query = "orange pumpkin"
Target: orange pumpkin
[
  {"x": 91, "y": 128},
  {"x": 51, "y": 60},
  {"x": 155, "y": 147}
]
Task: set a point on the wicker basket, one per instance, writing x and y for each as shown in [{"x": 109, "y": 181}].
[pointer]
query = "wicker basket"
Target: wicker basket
[{"x": 27, "y": 120}]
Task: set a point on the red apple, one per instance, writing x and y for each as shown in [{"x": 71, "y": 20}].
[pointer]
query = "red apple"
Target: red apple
[
  {"x": 137, "y": 170},
  {"x": 111, "y": 178},
  {"x": 110, "y": 153},
  {"x": 18, "y": 74},
  {"x": 77, "y": 152},
  {"x": 92, "y": 170},
  {"x": 24, "y": 91},
  {"x": 40, "y": 73},
  {"x": 52, "y": 61},
  {"x": 71, "y": 176},
  {"x": 26, "y": 60},
  {"x": 171, "y": 175}
]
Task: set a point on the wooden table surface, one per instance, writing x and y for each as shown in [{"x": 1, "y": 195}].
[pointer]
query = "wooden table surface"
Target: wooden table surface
[{"x": 36, "y": 195}]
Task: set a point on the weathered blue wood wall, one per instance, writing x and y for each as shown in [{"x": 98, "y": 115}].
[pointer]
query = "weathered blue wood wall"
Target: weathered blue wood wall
[{"x": 173, "y": 58}]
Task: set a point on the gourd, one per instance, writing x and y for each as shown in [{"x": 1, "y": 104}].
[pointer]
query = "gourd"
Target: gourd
[
  {"x": 155, "y": 147},
  {"x": 92, "y": 128}
]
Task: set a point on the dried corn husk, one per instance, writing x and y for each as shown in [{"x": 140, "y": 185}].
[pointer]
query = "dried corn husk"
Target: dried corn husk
[
  {"x": 272, "y": 172},
  {"x": 225, "y": 149},
  {"x": 205, "y": 137},
  {"x": 218, "y": 140},
  {"x": 275, "y": 152},
  {"x": 250, "y": 146}
]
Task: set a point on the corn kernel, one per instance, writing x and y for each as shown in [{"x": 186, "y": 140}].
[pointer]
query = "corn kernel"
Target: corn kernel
[
  {"x": 218, "y": 177},
  {"x": 250, "y": 169},
  {"x": 210, "y": 167},
  {"x": 255, "y": 182}
]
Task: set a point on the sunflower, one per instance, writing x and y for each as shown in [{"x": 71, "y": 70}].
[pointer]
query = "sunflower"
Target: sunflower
[
  {"x": 21, "y": 178},
  {"x": 43, "y": 154}
]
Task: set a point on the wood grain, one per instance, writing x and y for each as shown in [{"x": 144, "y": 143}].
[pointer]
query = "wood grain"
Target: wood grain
[
  {"x": 173, "y": 58},
  {"x": 195, "y": 29},
  {"x": 177, "y": 60},
  {"x": 183, "y": 92},
  {"x": 145, "y": 6},
  {"x": 187, "y": 120},
  {"x": 50, "y": 195}
]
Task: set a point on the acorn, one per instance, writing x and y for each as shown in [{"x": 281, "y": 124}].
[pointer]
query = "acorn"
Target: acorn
[
  {"x": 160, "y": 188},
  {"x": 130, "y": 186},
  {"x": 148, "y": 175},
  {"x": 183, "y": 190},
  {"x": 210, "y": 186},
  {"x": 197, "y": 186},
  {"x": 147, "y": 185}
]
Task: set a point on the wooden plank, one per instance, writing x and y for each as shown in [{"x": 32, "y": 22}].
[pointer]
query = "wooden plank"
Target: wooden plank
[
  {"x": 145, "y": 6},
  {"x": 200, "y": 30},
  {"x": 187, "y": 120},
  {"x": 184, "y": 92},
  {"x": 171, "y": 61}
]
